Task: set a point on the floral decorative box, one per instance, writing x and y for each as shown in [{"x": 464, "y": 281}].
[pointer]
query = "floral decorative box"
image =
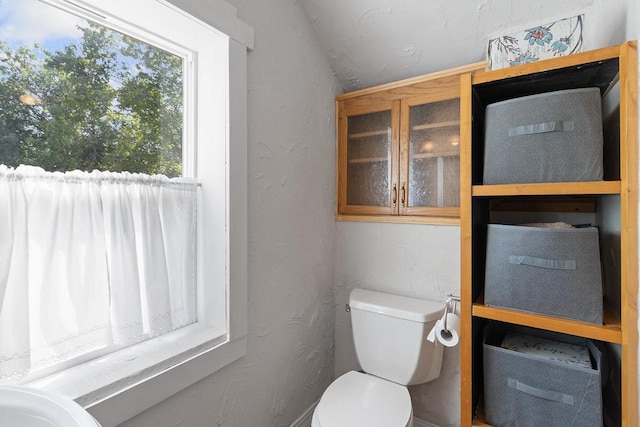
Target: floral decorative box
[{"x": 558, "y": 38}]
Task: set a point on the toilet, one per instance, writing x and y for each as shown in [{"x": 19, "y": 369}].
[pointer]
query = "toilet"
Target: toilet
[{"x": 390, "y": 337}]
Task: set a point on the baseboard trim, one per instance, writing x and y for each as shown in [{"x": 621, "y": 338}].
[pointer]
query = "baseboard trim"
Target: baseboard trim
[{"x": 304, "y": 420}]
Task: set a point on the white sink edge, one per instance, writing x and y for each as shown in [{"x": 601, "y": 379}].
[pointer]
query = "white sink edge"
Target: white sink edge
[{"x": 31, "y": 407}]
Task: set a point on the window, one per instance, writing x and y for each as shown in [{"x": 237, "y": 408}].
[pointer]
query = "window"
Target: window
[
  {"x": 109, "y": 258},
  {"x": 148, "y": 89}
]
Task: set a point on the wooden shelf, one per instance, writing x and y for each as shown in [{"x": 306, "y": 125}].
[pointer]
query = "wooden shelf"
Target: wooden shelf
[
  {"x": 369, "y": 160},
  {"x": 551, "y": 189},
  {"x": 368, "y": 134},
  {"x": 609, "y": 332},
  {"x": 450, "y": 123},
  {"x": 428, "y": 126},
  {"x": 432, "y": 155}
]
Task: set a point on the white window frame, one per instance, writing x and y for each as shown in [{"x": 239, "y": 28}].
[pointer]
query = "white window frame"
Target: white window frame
[{"x": 120, "y": 385}]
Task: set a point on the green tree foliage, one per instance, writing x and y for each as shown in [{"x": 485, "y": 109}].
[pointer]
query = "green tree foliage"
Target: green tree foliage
[{"x": 106, "y": 102}]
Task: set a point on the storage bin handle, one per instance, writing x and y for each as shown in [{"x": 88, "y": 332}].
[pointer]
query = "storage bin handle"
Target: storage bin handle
[
  {"x": 555, "y": 396},
  {"x": 554, "y": 126},
  {"x": 555, "y": 264}
]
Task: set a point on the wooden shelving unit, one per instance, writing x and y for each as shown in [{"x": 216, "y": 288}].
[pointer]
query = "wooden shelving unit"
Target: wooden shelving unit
[{"x": 480, "y": 203}]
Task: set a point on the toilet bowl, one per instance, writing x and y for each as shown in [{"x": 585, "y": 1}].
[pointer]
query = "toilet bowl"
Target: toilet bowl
[
  {"x": 358, "y": 399},
  {"x": 390, "y": 338}
]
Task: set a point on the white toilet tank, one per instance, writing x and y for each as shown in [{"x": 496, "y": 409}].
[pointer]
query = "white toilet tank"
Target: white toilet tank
[{"x": 390, "y": 336}]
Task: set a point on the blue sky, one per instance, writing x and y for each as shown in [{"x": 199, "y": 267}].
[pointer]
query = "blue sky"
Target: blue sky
[{"x": 25, "y": 22}]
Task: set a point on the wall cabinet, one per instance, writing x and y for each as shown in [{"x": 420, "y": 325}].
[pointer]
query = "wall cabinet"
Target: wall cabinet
[
  {"x": 610, "y": 204},
  {"x": 398, "y": 154}
]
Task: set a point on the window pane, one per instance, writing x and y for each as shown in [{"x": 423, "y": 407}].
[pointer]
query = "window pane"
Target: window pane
[{"x": 77, "y": 95}]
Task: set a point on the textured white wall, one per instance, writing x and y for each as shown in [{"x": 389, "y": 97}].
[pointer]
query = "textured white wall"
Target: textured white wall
[
  {"x": 291, "y": 231},
  {"x": 370, "y": 42}
]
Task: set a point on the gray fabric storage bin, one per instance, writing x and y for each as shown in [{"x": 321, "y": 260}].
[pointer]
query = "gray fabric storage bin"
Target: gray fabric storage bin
[
  {"x": 526, "y": 391},
  {"x": 553, "y": 271},
  {"x": 549, "y": 137}
]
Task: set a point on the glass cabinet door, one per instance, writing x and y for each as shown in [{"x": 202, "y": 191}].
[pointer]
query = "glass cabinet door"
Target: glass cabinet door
[
  {"x": 368, "y": 163},
  {"x": 430, "y": 176}
]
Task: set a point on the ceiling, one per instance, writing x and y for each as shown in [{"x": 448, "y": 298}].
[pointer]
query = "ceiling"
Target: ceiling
[{"x": 370, "y": 42}]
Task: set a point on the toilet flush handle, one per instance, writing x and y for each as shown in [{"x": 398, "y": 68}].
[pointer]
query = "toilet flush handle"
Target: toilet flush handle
[{"x": 347, "y": 308}]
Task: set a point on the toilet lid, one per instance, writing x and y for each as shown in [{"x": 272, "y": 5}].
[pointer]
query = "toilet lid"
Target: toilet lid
[{"x": 357, "y": 399}]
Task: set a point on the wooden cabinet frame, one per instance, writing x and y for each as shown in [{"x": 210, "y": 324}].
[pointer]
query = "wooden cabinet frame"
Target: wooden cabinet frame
[{"x": 397, "y": 97}]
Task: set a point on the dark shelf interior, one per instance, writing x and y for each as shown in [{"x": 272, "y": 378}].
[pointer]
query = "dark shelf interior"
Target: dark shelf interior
[{"x": 599, "y": 74}]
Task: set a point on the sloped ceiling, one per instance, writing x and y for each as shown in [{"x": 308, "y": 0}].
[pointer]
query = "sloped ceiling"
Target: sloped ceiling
[{"x": 370, "y": 42}]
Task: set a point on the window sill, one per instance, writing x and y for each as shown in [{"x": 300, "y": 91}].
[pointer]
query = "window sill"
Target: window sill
[{"x": 120, "y": 385}]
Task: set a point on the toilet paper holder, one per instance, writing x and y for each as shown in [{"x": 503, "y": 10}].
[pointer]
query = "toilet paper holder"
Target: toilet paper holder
[{"x": 450, "y": 307}]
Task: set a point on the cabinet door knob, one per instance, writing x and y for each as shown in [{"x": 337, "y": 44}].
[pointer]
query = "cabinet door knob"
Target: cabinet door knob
[
  {"x": 402, "y": 196},
  {"x": 395, "y": 195}
]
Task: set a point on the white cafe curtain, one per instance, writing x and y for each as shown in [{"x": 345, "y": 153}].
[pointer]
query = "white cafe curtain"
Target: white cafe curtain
[{"x": 90, "y": 263}]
